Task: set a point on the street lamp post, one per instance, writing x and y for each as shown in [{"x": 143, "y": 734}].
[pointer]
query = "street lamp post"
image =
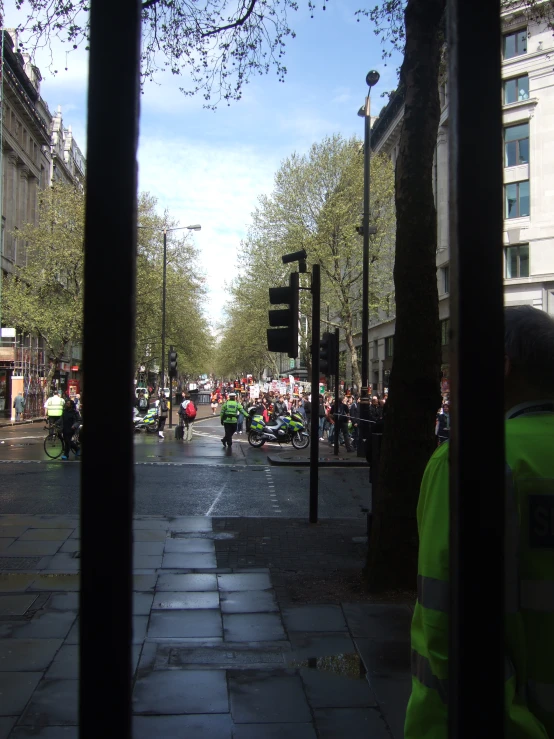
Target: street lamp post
[
  {"x": 195, "y": 227},
  {"x": 372, "y": 79}
]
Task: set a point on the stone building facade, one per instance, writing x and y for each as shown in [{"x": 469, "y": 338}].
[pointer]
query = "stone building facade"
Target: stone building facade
[
  {"x": 528, "y": 122},
  {"x": 36, "y": 151}
]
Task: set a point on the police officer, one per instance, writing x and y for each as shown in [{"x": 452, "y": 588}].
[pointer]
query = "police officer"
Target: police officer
[
  {"x": 229, "y": 416},
  {"x": 54, "y": 407},
  {"x": 529, "y": 617}
]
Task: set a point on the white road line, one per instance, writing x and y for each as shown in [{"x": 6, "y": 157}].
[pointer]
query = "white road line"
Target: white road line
[{"x": 216, "y": 501}]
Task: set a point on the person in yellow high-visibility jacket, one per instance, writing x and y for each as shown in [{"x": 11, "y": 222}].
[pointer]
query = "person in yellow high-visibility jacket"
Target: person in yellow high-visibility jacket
[{"x": 529, "y": 651}]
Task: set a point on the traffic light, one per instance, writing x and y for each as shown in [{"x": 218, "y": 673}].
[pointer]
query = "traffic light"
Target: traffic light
[
  {"x": 172, "y": 363},
  {"x": 284, "y": 338},
  {"x": 327, "y": 354}
]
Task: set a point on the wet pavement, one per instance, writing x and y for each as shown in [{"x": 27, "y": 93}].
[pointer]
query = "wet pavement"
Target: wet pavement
[
  {"x": 214, "y": 654},
  {"x": 176, "y": 478}
]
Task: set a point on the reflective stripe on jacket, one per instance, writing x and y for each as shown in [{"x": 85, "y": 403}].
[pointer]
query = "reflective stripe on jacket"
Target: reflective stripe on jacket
[
  {"x": 529, "y": 667},
  {"x": 230, "y": 411},
  {"x": 55, "y": 406}
]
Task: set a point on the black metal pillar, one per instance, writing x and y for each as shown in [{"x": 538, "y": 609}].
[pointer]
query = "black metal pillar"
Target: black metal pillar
[
  {"x": 163, "y": 309},
  {"x": 171, "y": 398},
  {"x": 109, "y": 319},
  {"x": 314, "y": 448},
  {"x": 337, "y": 391},
  {"x": 364, "y": 390},
  {"x": 476, "y": 224}
]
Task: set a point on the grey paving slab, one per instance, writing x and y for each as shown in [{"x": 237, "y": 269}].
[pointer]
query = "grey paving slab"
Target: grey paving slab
[
  {"x": 193, "y": 545},
  {"x": 354, "y": 723},
  {"x": 15, "y": 689},
  {"x": 63, "y": 602},
  {"x": 144, "y": 583},
  {"x": 46, "y": 732},
  {"x": 274, "y": 731},
  {"x": 147, "y": 658},
  {"x": 16, "y": 605},
  {"x": 142, "y": 603},
  {"x": 217, "y": 726},
  {"x": 40, "y": 521},
  {"x": 31, "y": 548},
  {"x": 387, "y": 658},
  {"x": 388, "y": 622},
  {"x": 71, "y": 545},
  {"x": 190, "y": 524},
  {"x": 54, "y": 703},
  {"x": 45, "y": 534},
  {"x": 327, "y": 690},
  {"x": 314, "y": 618},
  {"x": 5, "y": 543},
  {"x": 27, "y": 655},
  {"x": 12, "y": 531},
  {"x": 55, "y": 582},
  {"x": 149, "y": 535},
  {"x": 181, "y": 691},
  {"x": 194, "y": 623},
  {"x": 191, "y": 582},
  {"x": 248, "y": 581},
  {"x": 190, "y": 560},
  {"x": 15, "y": 582},
  {"x": 152, "y": 524},
  {"x": 44, "y": 625},
  {"x": 249, "y": 601},
  {"x": 147, "y": 561},
  {"x": 259, "y": 697},
  {"x": 249, "y": 627},
  {"x": 150, "y": 548},
  {"x": 6, "y": 723},
  {"x": 64, "y": 562},
  {"x": 183, "y": 601},
  {"x": 66, "y": 662},
  {"x": 140, "y": 624},
  {"x": 313, "y": 644}
]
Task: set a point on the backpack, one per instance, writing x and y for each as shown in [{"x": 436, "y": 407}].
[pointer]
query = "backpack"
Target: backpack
[
  {"x": 190, "y": 411},
  {"x": 143, "y": 403},
  {"x": 163, "y": 407}
]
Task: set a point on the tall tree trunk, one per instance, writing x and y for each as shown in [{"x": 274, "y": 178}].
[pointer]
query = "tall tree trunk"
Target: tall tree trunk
[
  {"x": 356, "y": 376},
  {"x": 408, "y": 438}
]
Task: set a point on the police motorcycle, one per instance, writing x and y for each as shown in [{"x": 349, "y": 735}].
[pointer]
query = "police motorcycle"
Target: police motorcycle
[
  {"x": 147, "y": 422},
  {"x": 288, "y": 429}
]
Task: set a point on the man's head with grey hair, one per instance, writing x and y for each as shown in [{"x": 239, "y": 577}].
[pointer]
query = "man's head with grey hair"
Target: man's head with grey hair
[{"x": 529, "y": 348}]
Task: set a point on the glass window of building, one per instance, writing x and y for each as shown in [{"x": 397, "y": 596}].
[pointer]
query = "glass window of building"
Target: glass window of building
[
  {"x": 516, "y": 199},
  {"x": 389, "y": 346},
  {"x": 445, "y": 329},
  {"x": 517, "y": 261},
  {"x": 516, "y": 145},
  {"x": 514, "y": 44},
  {"x": 445, "y": 279},
  {"x": 516, "y": 89}
]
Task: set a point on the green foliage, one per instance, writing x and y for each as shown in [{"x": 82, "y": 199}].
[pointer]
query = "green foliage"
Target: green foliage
[
  {"x": 44, "y": 296},
  {"x": 316, "y": 204}
]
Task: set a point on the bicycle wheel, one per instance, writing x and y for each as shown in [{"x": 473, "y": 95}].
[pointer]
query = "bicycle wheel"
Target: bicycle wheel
[{"x": 53, "y": 446}]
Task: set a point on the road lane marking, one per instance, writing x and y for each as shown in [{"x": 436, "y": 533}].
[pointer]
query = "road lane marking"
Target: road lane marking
[{"x": 216, "y": 501}]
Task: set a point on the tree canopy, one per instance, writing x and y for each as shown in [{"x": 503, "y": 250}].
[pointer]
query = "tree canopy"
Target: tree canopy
[{"x": 215, "y": 45}]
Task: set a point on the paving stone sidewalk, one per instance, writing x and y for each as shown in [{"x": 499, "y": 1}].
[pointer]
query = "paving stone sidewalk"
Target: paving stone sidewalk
[{"x": 214, "y": 654}]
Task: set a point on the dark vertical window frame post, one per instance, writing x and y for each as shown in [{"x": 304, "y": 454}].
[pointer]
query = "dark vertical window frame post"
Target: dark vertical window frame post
[
  {"x": 476, "y": 519},
  {"x": 107, "y": 480}
]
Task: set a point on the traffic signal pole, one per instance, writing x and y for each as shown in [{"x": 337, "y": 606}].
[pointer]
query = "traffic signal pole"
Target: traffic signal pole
[
  {"x": 314, "y": 448},
  {"x": 163, "y": 309},
  {"x": 337, "y": 391}
]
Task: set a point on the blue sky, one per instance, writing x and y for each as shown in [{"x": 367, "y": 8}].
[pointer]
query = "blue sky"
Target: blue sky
[{"x": 210, "y": 167}]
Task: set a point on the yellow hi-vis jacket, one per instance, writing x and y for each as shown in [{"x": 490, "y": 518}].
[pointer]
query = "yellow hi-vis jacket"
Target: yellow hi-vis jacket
[
  {"x": 529, "y": 651},
  {"x": 55, "y": 406},
  {"x": 230, "y": 411}
]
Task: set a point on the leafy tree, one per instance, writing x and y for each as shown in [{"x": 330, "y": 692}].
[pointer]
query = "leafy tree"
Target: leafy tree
[
  {"x": 216, "y": 44},
  {"x": 44, "y": 296}
]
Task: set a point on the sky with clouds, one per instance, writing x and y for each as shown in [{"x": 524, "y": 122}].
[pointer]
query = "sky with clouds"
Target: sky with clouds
[{"x": 210, "y": 167}]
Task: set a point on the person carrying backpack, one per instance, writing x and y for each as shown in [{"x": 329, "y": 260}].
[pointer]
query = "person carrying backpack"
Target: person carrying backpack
[
  {"x": 162, "y": 411},
  {"x": 142, "y": 402},
  {"x": 188, "y": 414}
]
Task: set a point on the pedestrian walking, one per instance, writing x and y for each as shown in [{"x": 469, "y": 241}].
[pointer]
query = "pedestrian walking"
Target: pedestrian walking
[
  {"x": 19, "y": 405},
  {"x": 70, "y": 424},
  {"x": 321, "y": 414},
  {"x": 187, "y": 413},
  {"x": 343, "y": 421},
  {"x": 229, "y": 416},
  {"x": 529, "y": 565},
  {"x": 214, "y": 402},
  {"x": 162, "y": 411}
]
